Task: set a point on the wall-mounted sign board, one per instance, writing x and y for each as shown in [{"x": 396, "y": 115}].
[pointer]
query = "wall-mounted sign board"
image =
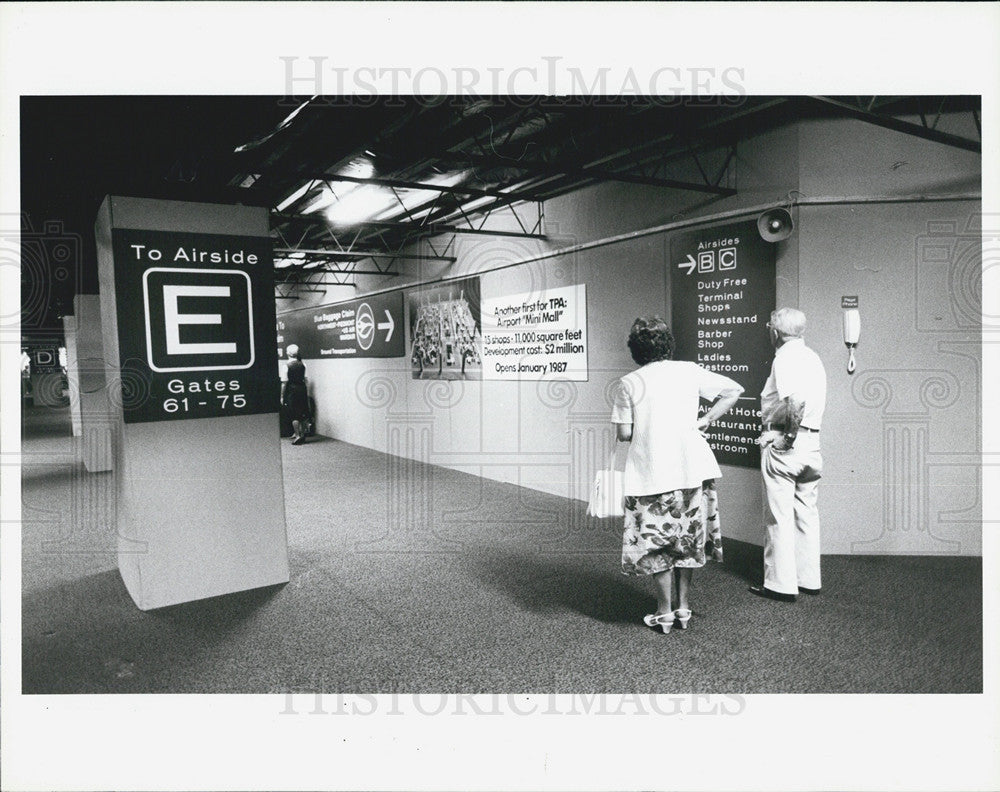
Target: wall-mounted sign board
[
  {"x": 722, "y": 293},
  {"x": 534, "y": 335},
  {"x": 368, "y": 328}
]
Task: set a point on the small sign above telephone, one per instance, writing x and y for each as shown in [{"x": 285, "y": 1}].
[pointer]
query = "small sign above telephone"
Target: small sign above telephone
[{"x": 849, "y": 302}]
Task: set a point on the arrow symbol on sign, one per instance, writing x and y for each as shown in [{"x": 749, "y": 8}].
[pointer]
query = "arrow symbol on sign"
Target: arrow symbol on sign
[
  {"x": 390, "y": 325},
  {"x": 690, "y": 264}
]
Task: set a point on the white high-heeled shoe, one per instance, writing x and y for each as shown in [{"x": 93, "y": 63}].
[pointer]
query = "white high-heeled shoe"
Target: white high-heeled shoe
[
  {"x": 665, "y": 621},
  {"x": 682, "y": 617}
]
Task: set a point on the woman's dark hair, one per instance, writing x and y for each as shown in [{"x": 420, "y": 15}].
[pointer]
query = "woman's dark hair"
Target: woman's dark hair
[{"x": 650, "y": 340}]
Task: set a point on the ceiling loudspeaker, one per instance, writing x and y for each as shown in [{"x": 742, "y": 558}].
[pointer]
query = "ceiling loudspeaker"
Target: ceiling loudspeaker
[{"x": 775, "y": 225}]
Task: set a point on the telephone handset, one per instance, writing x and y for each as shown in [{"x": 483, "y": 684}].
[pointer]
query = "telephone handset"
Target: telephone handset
[{"x": 852, "y": 334}]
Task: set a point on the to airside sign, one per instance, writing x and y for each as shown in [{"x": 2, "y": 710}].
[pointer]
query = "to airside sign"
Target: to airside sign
[{"x": 195, "y": 325}]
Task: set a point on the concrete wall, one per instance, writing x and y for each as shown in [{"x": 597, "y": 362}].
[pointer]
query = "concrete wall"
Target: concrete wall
[
  {"x": 901, "y": 440},
  {"x": 893, "y": 484}
]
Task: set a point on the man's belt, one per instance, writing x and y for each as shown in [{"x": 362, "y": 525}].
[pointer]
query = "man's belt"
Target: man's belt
[{"x": 769, "y": 427}]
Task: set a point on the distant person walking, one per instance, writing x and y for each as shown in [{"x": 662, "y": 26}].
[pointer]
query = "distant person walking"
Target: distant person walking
[
  {"x": 671, "y": 506},
  {"x": 791, "y": 405},
  {"x": 295, "y": 397}
]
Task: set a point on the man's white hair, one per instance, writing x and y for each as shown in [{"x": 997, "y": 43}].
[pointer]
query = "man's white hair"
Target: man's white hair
[
  {"x": 292, "y": 350},
  {"x": 789, "y": 322}
]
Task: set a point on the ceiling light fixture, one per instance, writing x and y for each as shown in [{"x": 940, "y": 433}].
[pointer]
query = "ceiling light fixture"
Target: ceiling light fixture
[
  {"x": 363, "y": 203},
  {"x": 357, "y": 168}
]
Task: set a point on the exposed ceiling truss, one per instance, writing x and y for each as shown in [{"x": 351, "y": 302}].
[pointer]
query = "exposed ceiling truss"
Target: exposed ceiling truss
[
  {"x": 507, "y": 158},
  {"x": 412, "y": 170},
  {"x": 435, "y": 168}
]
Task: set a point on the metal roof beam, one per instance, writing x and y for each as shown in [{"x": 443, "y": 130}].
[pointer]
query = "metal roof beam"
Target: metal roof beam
[
  {"x": 360, "y": 254},
  {"x": 404, "y": 184},
  {"x": 897, "y": 125},
  {"x": 423, "y": 229},
  {"x": 451, "y": 229},
  {"x": 289, "y": 281},
  {"x": 597, "y": 174}
]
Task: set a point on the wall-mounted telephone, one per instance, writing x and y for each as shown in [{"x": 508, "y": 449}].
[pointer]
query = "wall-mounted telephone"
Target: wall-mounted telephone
[{"x": 852, "y": 334}]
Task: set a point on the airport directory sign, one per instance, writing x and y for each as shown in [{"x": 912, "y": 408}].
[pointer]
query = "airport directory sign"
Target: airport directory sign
[
  {"x": 722, "y": 293},
  {"x": 195, "y": 319},
  {"x": 367, "y": 328}
]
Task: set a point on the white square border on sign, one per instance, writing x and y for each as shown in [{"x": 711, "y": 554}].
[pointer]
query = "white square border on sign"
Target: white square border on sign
[{"x": 149, "y": 331}]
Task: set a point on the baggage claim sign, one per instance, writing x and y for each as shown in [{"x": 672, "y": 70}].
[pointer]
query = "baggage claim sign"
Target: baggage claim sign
[
  {"x": 368, "y": 328},
  {"x": 721, "y": 297},
  {"x": 195, "y": 325}
]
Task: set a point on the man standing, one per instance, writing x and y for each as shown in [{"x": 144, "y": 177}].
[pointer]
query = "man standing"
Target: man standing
[{"x": 792, "y": 404}]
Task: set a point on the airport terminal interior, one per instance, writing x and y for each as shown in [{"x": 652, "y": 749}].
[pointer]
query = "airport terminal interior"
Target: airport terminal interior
[{"x": 458, "y": 276}]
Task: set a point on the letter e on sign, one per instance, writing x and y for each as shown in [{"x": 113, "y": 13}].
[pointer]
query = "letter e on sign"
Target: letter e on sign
[{"x": 198, "y": 319}]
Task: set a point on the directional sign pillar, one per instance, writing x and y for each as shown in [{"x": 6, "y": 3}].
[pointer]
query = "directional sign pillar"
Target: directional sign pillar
[
  {"x": 46, "y": 377},
  {"x": 86, "y": 372},
  {"x": 187, "y": 309},
  {"x": 72, "y": 374}
]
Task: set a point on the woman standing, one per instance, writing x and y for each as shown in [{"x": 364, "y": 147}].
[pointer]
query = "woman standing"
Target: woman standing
[
  {"x": 671, "y": 506},
  {"x": 295, "y": 397}
]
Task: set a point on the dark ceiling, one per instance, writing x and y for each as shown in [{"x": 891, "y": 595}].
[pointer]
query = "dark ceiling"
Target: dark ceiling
[{"x": 439, "y": 165}]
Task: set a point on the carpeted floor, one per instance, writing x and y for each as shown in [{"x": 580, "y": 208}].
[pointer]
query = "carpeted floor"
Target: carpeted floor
[{"x": 411, "y": 578}]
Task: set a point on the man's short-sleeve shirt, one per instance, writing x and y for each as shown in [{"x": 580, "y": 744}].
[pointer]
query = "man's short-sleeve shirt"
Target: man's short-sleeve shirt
[{"x": 798, "y": 372}]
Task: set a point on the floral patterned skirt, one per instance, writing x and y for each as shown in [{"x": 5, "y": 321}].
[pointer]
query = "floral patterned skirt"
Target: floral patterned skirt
[{"x": 672, "y": 529}]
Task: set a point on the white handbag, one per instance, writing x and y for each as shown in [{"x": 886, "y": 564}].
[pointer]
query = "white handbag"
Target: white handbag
[{"x": 606, "y": 496}]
